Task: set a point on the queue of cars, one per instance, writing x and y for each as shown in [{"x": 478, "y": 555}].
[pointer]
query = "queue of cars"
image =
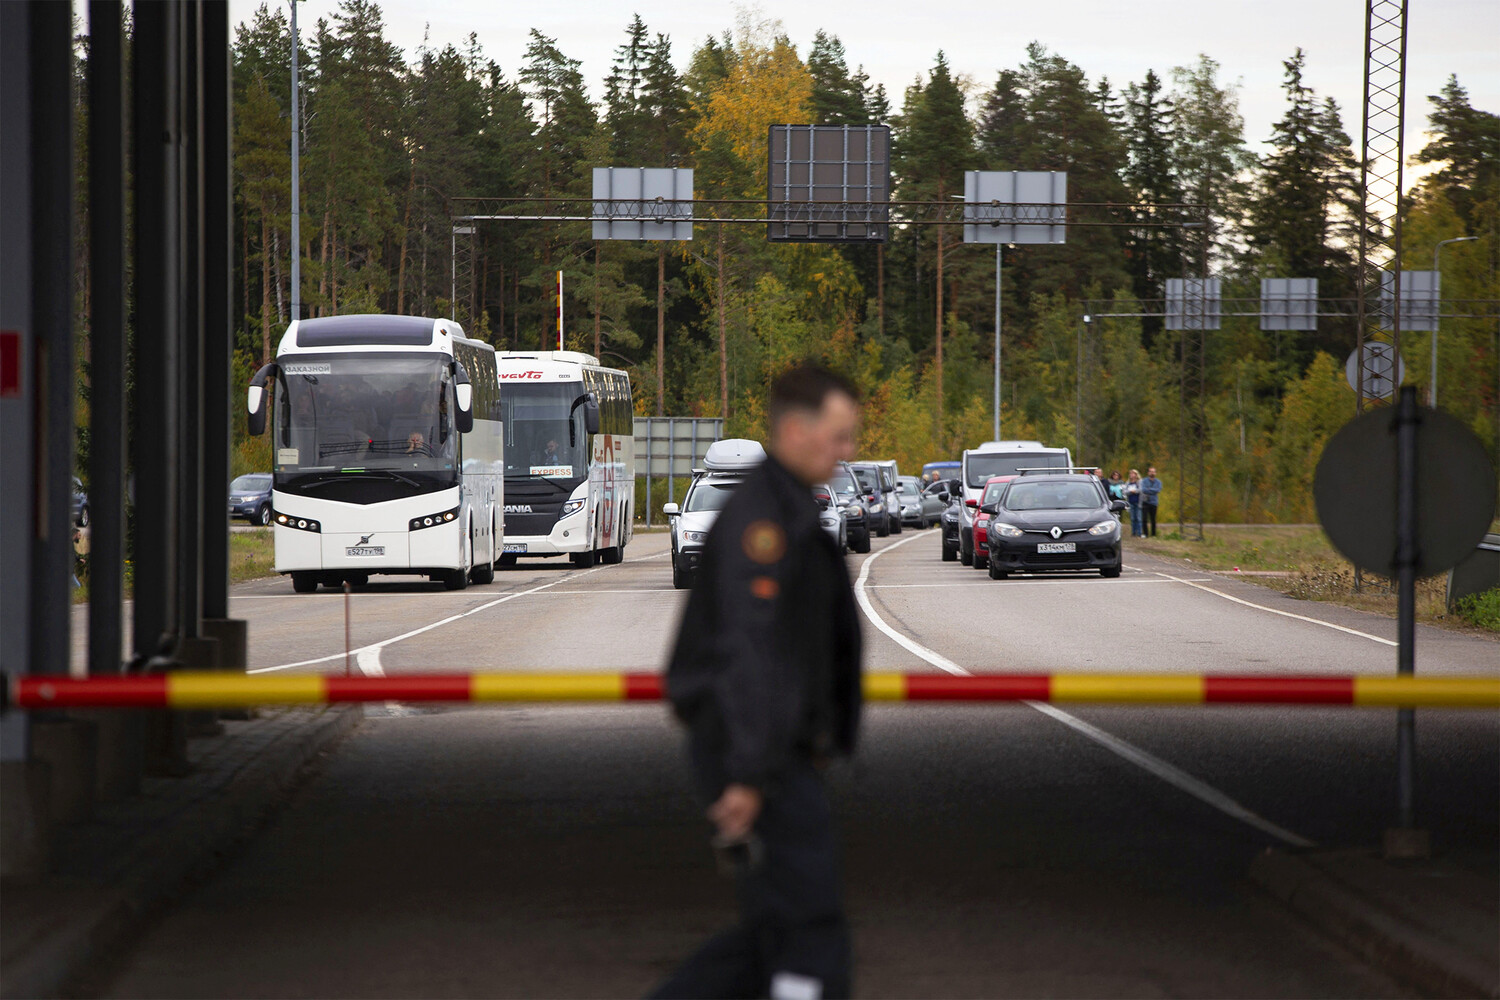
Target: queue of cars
[
  {"x": 860, "y": 501},
  {"x": 1032, "y": 518}
]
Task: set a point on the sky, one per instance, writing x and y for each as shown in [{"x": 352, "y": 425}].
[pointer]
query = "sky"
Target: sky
[{"x": 1120, "y": 39}]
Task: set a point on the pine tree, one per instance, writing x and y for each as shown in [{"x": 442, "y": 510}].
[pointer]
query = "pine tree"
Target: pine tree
[
  {"x": 1002, "y": 122},
  {"x": 1150, "y": 174},
  {"x": 625, "y": 116},
  {"x": 837, "y": 98},
  {"x": 1208, "y": 147},
  {"x": 1467, "y": 142},
  {"x": 664, "y": 102}
]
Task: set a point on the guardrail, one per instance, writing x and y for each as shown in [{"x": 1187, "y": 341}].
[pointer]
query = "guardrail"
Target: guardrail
[{"x": 212, "y": 690}]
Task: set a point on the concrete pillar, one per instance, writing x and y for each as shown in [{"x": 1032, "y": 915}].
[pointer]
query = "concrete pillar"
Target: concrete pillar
[
  {"x": 71, "y": 748},
  {"x": 232, "y": 635},
  {"x": 199, "y": 653},
  {"x": 122, "y": 751},
  {"x": 24, "y": 827}
]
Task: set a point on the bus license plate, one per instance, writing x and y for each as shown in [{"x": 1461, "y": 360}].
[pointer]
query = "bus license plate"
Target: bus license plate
[
  {"x": 365, "y": 550},
  {"x": 1057, "y": 547},
  {"x": 515, "y": 547}
]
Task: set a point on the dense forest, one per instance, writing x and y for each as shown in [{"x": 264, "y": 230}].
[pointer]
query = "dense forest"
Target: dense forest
[{"x": 389, "y": 138}]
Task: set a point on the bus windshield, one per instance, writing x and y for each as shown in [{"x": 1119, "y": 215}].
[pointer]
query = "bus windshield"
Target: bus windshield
[
  {"x": 983, "y": 466},
  {"x": 537, "y": 442},
  {"x": 356, "y": 413}
]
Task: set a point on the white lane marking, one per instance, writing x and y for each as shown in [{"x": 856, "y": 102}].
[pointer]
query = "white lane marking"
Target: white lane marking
[
  {"x": 1031, "y": 581},
  {"x": 427, "y": 628},
  {"x": 1173, "y": 776},
  {"x": 1274, "y": 611},
  {"x": 910, "y": 645}
]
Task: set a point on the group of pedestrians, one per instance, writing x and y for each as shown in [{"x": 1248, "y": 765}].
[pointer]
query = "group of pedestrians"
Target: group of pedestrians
[{"x": 1143, "y": 495}]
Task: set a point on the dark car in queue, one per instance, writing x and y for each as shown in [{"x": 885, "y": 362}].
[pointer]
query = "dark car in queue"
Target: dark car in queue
[
  {"x": 950, "y": 521},
  {"x": 250, "y": 498},
  {"x": 919, "y": 507},
  {"x": 859, "y": 510},
  {"x": 873, "y": 490},
  {"x": 1050, "y": 522}
]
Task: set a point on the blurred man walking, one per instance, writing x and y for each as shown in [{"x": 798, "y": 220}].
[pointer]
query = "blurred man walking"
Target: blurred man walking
[{"x": 766, "y": 676}]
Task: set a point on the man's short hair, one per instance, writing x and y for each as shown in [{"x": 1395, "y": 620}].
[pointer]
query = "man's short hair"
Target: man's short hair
[{"x": 805, "y": 388}]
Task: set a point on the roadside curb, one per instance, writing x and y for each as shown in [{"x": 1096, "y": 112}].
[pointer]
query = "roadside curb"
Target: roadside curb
[
  {"x": 1377, "y": 933},
  {"x": 188, "y": 846}
]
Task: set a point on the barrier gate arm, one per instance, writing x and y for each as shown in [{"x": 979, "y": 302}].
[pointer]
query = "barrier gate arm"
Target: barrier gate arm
[{"x": 219, "y": 690}]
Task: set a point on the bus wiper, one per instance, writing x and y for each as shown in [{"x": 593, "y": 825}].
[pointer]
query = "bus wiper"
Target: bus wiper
[{"x": 324, "y": 478}]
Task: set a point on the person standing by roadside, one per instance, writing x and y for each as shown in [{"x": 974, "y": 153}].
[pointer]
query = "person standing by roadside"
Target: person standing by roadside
[
  {"x": 1133, "y": 497},
  {"x": 1116, "y": 486},
  {"x": 1150, "y": 497},
  {"x": 766, "y": 677}
]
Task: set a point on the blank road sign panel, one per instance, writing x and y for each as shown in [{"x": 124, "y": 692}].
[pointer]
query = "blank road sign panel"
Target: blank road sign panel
[
  {"x": 1193, "y": 304},
  {"x": 643, "y": 203},
  {"x": 828, "y": 183},
  {"x": 1420, "y": 292},
  {"x": 1289, "y": 303},
  {"x": 1015, "y": 206}
]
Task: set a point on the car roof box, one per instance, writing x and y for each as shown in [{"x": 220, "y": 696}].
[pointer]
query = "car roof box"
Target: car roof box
[{"x": 733, "y": 455}]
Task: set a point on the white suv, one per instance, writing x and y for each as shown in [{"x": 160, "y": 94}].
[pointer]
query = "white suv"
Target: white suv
[{"x": 725, "y": 466}]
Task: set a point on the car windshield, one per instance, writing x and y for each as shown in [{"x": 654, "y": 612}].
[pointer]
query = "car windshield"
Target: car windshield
[
  {"x": 365, "y": 411},
  {"x": 982, "y": 467},
  {"x": 710, "y": 495},
  {"x": 868, "y": 480},
  {"x": 992, "y": 492},
  {"x": 251, "y": 484},
  {"x": 842, "y": 482},
  {"x": 1052, "y": 496},
  {"x": 909, "y": 487}
]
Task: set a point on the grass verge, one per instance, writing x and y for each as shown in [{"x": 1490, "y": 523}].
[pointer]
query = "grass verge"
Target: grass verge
[
  {"x": 252, "y": 555},
  {"x": 1300, "y": 561}
]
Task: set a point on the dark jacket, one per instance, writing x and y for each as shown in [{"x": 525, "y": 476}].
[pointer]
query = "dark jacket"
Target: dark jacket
[{"x": 766, "y": 668}]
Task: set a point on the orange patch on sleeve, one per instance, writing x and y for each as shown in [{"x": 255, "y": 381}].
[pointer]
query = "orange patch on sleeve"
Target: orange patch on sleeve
[
  {"x": 765, "y": 588},
  {"x": 764, "y": 542}
]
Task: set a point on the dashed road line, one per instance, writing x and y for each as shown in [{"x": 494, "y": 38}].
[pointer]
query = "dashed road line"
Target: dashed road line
[{"x": 1150, "y": 763}]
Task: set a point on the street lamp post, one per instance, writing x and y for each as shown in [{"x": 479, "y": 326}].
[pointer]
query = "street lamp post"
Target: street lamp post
[
  {"x": 1436, "y": 321},
  {"x": 296, "y": 180}
]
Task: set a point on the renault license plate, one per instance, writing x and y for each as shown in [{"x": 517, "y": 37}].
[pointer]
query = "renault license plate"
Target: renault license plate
[
  {"x": 365, "y": 550},
  {"x": 1056, "y": 547},
  {"x": 514, "y": 547}
]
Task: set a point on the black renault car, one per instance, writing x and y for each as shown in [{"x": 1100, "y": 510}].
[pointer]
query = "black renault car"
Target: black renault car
[{"x": 1054, "y": 522}]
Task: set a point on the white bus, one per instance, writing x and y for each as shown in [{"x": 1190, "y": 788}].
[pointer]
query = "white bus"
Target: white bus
[
  {"x": 387, "y": 451},
  {"x": 569, "y": 456}
]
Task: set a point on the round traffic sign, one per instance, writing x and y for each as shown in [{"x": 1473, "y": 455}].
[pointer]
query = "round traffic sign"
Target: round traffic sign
[
  {"x": 1384, "y": 370},
  {"x": 1355, "y": 485}
]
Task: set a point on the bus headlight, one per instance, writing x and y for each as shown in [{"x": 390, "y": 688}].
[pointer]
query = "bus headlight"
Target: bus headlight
[
  {"x": 434, "y": 520},
  {"x": 572, "y": 507},
  {"x": 292, "y": 521}
]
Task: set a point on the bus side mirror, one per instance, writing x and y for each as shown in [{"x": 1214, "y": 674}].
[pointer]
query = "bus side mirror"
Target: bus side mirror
[
  {"x": 255, "y": 400},
  {"x": 590, "y": 406},
  {"x": 591, "y": 416},
  {"x": 463, "y": 393}
]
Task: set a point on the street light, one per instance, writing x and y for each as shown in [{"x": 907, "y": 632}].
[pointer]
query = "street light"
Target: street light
[{"x": 1436, "y": 320}]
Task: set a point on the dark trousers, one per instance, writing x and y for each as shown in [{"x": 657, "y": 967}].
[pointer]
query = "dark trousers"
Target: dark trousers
[
  {"x": 1148, "y": 519},
  {"x": 791, "y": 907}
]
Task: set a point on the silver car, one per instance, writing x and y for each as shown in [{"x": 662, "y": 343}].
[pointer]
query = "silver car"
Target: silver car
[
  {"x": 726, "y": 465},
  {"x": 832, "y": 516},
  {"x": 919, "y": 508}
]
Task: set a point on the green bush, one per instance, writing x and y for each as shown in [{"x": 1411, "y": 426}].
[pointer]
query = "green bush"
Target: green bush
[{"x": 1482, "y": 609}]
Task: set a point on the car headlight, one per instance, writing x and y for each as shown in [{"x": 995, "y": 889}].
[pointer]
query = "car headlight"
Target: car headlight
[
  {"x": 1004, "y": 530},
  {"x": 1105, "y": 527},
  {"x": 695, "y": 536},
  {"x": 572, "y": 507}
]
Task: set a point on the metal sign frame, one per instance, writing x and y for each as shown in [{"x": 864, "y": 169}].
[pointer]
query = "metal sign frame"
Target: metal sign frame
[
  {"x": 1288, "y": 304},
  {"x": 1015, "y": 206},
  {"x": 643, "y": 203},
  {"x": 828, "y": 183}
]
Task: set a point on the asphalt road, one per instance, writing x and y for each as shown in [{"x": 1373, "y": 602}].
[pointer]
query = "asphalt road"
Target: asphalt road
[{"x": 990, "y": 850}]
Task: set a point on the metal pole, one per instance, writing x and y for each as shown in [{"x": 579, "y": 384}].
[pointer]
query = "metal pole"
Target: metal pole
[
  {"x": 107, "y": 414},
  {"x": 453, "y": 273},
  {"x": 1078, "y": 394},
  {"x": 218, "y": 313},
  {"x": 1406, "y": 575},
  {"x": 296, "y": 178},
  {"x": 999, "y": 248}
]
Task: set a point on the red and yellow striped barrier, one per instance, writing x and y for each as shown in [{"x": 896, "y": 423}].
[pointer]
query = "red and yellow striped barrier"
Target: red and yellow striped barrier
[{"x": 192, "y": 690}]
